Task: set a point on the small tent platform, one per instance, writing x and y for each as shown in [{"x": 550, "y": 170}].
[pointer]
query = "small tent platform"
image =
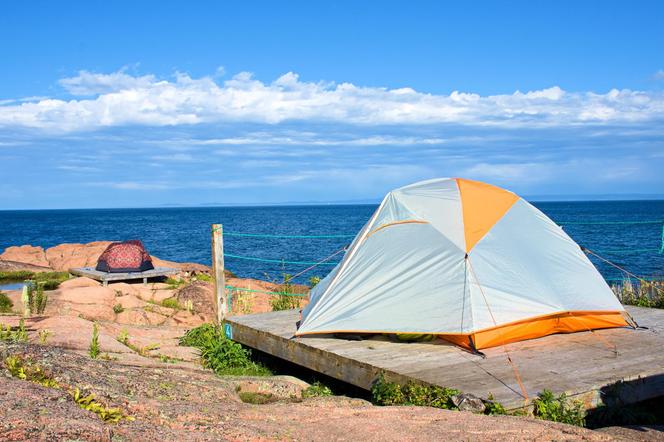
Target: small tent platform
[
  {"x": 581, "y": 364},
  {"x": 106, "y": 277}
]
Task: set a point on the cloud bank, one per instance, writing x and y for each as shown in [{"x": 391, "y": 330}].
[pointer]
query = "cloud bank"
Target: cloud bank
[{"x": 100, "y": 100}]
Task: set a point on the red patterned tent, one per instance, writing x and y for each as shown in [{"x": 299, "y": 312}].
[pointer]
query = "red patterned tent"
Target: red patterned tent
[{"x": 126, "y": 256}]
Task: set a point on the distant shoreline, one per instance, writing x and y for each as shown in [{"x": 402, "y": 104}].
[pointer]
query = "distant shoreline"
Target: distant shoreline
[{"x": 535, "y": 200}]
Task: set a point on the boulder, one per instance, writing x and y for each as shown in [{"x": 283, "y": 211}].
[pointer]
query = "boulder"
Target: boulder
[
  {"x": 65, "y": 256},
  {"x": 202, "y": 297},
  {"x": 468, "y": 402},
  {"x": 78, "y": 283},
  {"x": 33, "y": 255}
]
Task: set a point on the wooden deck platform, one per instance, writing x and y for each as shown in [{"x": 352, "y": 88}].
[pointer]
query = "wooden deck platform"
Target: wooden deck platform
[
  {"x": 580, "y": 364},
  {"x": 105, "y": 277}
]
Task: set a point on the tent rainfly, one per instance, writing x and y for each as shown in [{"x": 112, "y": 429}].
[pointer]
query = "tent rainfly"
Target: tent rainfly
[
  {"x": 124, "y": 257},
  {"x": 467, "y": 261}
]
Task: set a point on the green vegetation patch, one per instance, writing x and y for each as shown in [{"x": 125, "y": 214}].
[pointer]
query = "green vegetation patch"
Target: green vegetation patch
[
  {"x": 6, "y": 304},
  {"x": 9, "y": 334},
  {"x": 174, "y": 283},
  {"x": 49, "y": 280},
  {"x": 220, "y": 354},
  {"x": 88, "y": 402},
  {"x": 317, "y": 389},
  {"x": 256, "y": 398},
  {"x": 558, "y": 409},
  {"x": 27, "y": 370},
  {"x": 171, "y": 303},
  {"x": 643, "y": 294},
  {"x": 287, "y": 299},
  {"x": 392, "y": 393}
]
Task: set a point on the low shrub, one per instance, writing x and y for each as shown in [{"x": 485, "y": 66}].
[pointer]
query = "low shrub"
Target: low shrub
[
  {"x": 6, "y": 304},
  {"x": 558, "y": 409},
  {"x": 118, "y": 308},
  {"x": 220, "y": 354}
]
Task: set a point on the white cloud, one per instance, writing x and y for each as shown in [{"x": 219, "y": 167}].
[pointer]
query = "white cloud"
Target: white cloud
[
  {"x": 659, "y": 75},
  {"x": 89, "y": 83},
  {"x": 120, "y": 99}
]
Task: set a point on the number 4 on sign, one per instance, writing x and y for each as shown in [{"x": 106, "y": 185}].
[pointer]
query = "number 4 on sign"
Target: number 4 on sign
[{"x": 228, "y": 331}]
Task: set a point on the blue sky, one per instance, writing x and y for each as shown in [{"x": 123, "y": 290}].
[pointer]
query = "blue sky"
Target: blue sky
[{"x": 116, "y": 104}]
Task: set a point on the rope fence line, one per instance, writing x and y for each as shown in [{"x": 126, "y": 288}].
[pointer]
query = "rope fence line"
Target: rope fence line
[
  {"x": 279, "y": 261},
  {"x": 326, "y": 262}
]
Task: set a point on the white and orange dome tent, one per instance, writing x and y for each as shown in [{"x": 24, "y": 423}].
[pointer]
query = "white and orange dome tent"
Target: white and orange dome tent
[{"x": 467, "y": 261}]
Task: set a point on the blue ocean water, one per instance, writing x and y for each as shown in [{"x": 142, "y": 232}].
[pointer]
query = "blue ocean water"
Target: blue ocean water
[{"x": 183, "y": 234}]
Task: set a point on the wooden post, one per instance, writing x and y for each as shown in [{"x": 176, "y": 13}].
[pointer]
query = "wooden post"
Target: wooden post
[{"x": 218, "y": 270}]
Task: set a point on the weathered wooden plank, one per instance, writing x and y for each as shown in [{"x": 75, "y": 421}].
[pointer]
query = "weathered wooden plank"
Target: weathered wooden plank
[{"x": 106, "y": 277}]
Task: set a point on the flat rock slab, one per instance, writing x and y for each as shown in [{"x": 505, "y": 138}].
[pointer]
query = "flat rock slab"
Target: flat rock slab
[{"x": 584, "y": 364}]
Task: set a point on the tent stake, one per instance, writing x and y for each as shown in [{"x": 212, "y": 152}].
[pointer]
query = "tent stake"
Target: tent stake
[{"x": 218, "y": 271}]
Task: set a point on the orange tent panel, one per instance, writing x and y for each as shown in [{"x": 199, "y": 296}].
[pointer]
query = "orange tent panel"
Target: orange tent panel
[{"x": 482, "y": 205}]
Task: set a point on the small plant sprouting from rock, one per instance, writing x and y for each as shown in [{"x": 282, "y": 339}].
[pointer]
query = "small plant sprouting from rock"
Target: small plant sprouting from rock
[
  {"x": 558, "y": 409},
  {"x": 174, "y": 283},
  {"x": 189, "y": 305},
  {"x": 220, "y": 354},
  {"x": 44, "y": 334},
  {"x": 203, "y": 277},
  {"x": 123, "y": 337},
  {"x": 88, "y": 402},
  {"x": 313, "y": 281},
  {"x": 94, "y": 349},
  {"x": 7, "y": 334},
  {"x": 286, "y": 300},
  {"x": 317, "y": 389},
  {"x": 27, "y": 370},
  {"x": 117, "y": 308},
  {"x": 171, "y": 303}
]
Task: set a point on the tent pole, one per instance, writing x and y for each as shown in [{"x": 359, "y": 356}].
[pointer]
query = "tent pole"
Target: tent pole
[{"x": 218, "y": 271}]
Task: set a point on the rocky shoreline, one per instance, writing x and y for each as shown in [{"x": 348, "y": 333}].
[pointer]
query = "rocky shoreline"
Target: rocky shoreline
[{"x": 145, "y": 372}]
